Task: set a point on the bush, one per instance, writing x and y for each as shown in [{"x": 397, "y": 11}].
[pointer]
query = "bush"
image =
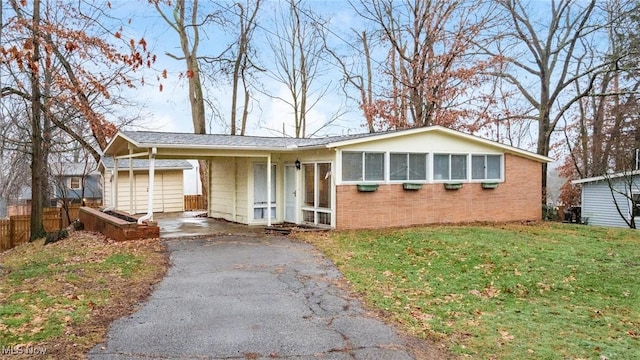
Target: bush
[{"x": 56, "y": 236}]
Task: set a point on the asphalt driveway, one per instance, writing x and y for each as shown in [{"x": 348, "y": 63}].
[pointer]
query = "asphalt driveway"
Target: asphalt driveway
[{"x": 250, "y": 297}]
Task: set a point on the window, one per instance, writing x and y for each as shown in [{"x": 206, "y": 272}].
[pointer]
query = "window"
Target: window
[
  {"x": 635, "y": 202},
  {"x": 403, "y": 166},
  {"x": 449, "y": 167},
  {"x": 362, "y": 166},
  {"x": 317, "y": 194},
  {"x": 74, "y": 183},
  {"x": 484, "y": 167},
  {"x": 260, "y": 191}
]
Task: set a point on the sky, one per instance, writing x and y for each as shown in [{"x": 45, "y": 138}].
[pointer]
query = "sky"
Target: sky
[{"x": 169, "y": 110}]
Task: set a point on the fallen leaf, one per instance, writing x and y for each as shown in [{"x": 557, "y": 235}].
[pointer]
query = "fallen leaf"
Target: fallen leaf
[{"x": 506, "y": 336}]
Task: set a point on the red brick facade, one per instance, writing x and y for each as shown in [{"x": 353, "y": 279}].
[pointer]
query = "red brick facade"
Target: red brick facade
[
  {"x": 519, "y": 197},
  {"x": 114, "y": 228}
]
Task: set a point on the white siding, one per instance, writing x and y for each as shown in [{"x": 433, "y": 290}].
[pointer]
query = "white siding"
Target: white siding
[
  {"x": 429, "y": 142},
  {"x": 222, "y": 187},
  {"x": 168, "y": 194},
  {"x": 598, "y": 205}
]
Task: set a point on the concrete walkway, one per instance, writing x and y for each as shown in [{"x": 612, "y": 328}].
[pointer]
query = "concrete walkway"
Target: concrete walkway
[{"x": 250, "y": 297}]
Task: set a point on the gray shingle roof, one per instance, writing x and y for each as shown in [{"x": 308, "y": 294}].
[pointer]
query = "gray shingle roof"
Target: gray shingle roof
[
  {"x": 231, "y": 141},
  {"x": 123, "y": 164}
]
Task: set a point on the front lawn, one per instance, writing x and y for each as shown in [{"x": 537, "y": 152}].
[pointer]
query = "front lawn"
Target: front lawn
[
  {"x": 59, "y": 299},
  {"x": 506, "y": 291}
]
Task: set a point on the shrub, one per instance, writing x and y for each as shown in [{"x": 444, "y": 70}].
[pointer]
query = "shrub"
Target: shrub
[{"x": 56, "y": 236}]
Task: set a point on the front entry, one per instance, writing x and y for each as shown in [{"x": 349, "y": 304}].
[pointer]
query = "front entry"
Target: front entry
[{"x": 290, "y": 194}]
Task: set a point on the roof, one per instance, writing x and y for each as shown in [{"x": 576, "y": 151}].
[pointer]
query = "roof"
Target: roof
[
  {"x": 150, "y": 139},
  {"x": 605, "y": 177},
  {"x": 73, "y": 169},
  {"x": 143, "y": 164}
]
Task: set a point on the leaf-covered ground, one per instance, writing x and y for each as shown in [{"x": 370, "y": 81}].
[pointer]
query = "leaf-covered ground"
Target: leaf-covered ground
[
  {"x": 505, "y": 291},
  {"x": 62, "y": 297}
]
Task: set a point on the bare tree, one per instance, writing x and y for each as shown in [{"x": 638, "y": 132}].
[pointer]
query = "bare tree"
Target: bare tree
[
  {"x": 299, "y": 54},
  {"x": 430, "y": 66}
]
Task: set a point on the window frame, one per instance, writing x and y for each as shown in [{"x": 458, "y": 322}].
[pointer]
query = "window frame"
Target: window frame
[
  {"x": 449, "y": 179},
  {"x": 408, "y": 169},
  {"x": 486, "y": 178},
  {"x": 71, "y": 180},
  {"x": 363, "y": 163}
]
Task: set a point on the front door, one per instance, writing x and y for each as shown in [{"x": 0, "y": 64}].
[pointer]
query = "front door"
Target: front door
[{"x": 290, "y": 194}]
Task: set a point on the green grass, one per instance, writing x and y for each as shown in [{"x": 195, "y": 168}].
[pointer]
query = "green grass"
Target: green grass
[
  {"x": 510, "y": 292},
  {"x": 62, "y": 296}
]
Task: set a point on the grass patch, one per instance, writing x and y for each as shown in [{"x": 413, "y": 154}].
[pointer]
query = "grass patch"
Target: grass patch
[
  {"x": 508, "y": 292},
  {"x": 63, "y": 296}
]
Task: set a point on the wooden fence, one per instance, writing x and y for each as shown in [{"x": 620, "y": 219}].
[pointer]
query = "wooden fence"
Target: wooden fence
[
  {"x": 17, "y": 229},
  {"x": 194, "y": 202}
]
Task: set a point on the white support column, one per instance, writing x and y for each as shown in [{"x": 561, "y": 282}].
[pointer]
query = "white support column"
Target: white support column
[
  {"x": 132, "y": 210},
  {"x": 269, "y": 195},
  {"x": 152, "y": 165},
  {"x": 114, "y": 204}
]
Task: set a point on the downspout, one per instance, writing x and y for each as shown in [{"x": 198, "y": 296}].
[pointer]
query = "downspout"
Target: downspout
[
  {"x": 152, "y": 166},
  {"x": 269, "y": 190}
]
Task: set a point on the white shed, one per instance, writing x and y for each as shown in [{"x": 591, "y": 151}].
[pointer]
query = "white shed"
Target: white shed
[
  {"x": 168, "y": 192},
  {"x": 600, "y": 195}
]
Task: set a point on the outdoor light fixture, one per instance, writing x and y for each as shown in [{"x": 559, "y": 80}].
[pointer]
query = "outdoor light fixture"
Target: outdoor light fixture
[{"x": 297, "y": 164}]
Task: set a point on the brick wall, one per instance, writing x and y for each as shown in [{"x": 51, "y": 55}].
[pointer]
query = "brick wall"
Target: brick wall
[
  {"x": 518, "y": 198},
  {"x": 114, "y": 228}
]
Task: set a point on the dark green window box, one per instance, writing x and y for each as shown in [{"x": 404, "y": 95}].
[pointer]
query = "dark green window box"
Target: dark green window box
[
  {"x": 453, "y": 186},
  {"x": 489, "y": 185},
  {"x": 367, "y": 187},
  {"x": 411, "y": 186}
]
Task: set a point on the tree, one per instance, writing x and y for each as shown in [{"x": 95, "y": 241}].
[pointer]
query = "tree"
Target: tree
[
  {"x": 242, "y": 62},
  {"x": 430, "y": 67},
  {"x": 298, "y": 49},
  {"x": 541, "y": 59},
  {"x": 604, "y": 128},
  {"x": 61, "y": 80}
]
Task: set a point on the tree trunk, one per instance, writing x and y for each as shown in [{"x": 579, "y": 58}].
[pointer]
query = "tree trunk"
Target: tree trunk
[{"x": 37, "y": 163}]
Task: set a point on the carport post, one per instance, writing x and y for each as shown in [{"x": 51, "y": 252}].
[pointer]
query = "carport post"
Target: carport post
[
  {"x": 131, "y": 199},
  {"x": 269, "y": 190},
  {"x": 114, "y": 184}
]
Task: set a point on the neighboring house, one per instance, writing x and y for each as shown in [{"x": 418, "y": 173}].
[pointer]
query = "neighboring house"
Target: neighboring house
[
  {"x": 329, "y": 181},
  {"x": 77, "y": 183},
  {"x": 168, "y": 189},
  {"x": 598, "y": 206}
]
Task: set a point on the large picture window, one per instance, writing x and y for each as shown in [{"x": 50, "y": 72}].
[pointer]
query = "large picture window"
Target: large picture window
[
  {"x": 362, "y": 166},
  {"x": 449, "y": 167},
  {"x": 486, "y": 167},
  {"x": 404, "y": 166}
]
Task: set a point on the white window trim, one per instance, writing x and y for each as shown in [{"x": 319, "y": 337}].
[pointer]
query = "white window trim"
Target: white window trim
[
  {"x": 467, "y": 155},
  {"x": 427, "y": 162},
  {"x": 70, "y": 181},
  {"x": 471, "y": 180},
  {"x": 385, "y": 170}
]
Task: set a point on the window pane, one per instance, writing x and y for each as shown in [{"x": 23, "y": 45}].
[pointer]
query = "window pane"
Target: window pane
[
  {"x": 260, "y": 184},
  {"x": 417, "y": 166},
  {"x": 441, "y": 167},
  {"x": 477, "y": 167},
  {"x": 458, "y": 167},
  {"x": 309, "y": 178},
  {"x": 324, "y": 185},
  {"x": 308, "y": 216},
  {"x": 373, "y": 166},
  {"x": 493, "y": 166},
  {"x": 398, "y": 166},
  {"x": 351, "y": 166},
  {"x": 324, "y": 218}
]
